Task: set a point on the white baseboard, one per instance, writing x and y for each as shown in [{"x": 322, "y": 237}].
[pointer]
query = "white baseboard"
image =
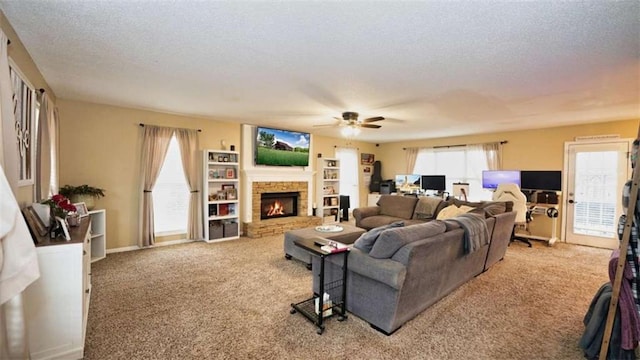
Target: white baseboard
[{"x": 163, "y": 243}]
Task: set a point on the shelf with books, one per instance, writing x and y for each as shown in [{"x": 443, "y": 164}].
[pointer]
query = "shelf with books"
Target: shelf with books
[{"x": 221, "y": 195}]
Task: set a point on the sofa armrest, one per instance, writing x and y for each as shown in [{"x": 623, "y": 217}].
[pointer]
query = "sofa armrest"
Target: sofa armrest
[
  {"x": 363, "y": 212},
  {"x": 386, "y": 271},
  {"x": 500, "y": 237}
]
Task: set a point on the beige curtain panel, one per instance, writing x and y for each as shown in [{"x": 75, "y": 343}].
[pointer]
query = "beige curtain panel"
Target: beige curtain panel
[
  {"x": 155, "y": 143},
  {"x": 493, "y": 153},
  {"x": 411, "y": 156},
  {"x": 43, "y": 149},
  {"x": 188, "y": 140}
]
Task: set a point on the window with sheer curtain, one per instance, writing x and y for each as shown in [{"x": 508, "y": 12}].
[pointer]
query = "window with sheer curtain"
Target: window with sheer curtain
[
  {"x": 459, "y": 164},
  {"x": 171, "y": 195}
]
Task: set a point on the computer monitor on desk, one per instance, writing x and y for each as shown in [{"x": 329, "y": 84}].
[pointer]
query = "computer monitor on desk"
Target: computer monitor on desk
[
  {"x": 541, "y": 186},
  {"x": 433, "y": 182}
]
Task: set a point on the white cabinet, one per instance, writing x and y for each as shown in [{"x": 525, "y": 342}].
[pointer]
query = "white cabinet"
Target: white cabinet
[
  {"x": 328, "y": 189},
  {"x": 221, "y": 190},
  {"x": 98, "y": 234},
  {"x": 57, "y": 304}
]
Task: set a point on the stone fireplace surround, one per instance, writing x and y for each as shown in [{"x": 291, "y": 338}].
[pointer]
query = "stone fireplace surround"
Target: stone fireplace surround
[{"x": 259, "y": 228}]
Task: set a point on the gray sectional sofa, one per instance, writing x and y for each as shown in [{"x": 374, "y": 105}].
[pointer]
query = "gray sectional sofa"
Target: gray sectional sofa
[{"x": 407, "y": 269}]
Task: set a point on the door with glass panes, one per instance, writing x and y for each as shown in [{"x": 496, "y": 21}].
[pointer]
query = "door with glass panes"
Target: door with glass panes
[{"x": 596, "y": 173}]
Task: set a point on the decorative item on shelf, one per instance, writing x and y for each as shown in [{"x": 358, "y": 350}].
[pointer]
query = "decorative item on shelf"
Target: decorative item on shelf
[
  {"x": 73, "y": 219},
  {"x": 230, "y": 173},
  {"x": 83, "y": 193},
  {"x": 232, "y": 148},
  {"x": 60, "y": 207},
  {"x": 231, "y": 194}
]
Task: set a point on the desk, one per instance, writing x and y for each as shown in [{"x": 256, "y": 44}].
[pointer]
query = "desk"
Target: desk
[{"x": 540, "y": 210}]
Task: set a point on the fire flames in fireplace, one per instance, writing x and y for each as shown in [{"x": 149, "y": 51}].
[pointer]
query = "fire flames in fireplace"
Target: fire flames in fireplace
[
  {"x": 276, "y": 209},
  {"x": 277, "y": 205}
]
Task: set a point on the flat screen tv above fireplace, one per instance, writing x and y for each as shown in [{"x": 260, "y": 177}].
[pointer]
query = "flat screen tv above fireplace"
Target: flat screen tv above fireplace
[{"x": 279, "y": 147}]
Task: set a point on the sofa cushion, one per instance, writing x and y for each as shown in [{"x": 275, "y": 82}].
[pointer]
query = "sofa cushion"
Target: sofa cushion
[
  {"x": 365, "y": 241},
  {"x": 398, "y": 206},
  {"x": 391, "y": 240},
  {"x": 426, "y": 207},
  {"x": 372, "y": 222},
  {"x": 453, "y": 211},
  {"x": 494, "y": 208}
]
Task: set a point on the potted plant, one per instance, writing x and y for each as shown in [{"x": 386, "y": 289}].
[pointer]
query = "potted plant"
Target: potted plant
[{"x": 83, "y": 193}]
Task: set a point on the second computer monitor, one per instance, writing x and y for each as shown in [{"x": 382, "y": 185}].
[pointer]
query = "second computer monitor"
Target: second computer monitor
[{"x": 433, "y": 182}]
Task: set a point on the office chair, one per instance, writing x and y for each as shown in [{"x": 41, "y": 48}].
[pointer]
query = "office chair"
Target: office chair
[{"x": 511, "y": 192}]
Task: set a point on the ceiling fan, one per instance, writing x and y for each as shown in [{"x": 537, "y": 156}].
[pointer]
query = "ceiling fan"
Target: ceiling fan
[{"x": 351, "y": 124}]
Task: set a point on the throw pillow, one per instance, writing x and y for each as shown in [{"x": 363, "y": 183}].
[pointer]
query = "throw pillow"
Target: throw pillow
[
  {"x": 391, "y": 241},
  {"x": 365, "y": 241},
  {"x": 453, "y": 211}
]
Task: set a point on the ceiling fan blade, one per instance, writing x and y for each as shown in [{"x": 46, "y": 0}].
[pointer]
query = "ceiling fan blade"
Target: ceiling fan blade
[
  {"x": 326, "y": 125},
  {"x": 370, "y": 126},
  {"x": 373, "y": 119}
]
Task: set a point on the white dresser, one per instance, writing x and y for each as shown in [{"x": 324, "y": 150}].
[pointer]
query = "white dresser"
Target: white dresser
[{"x": 57, "y": 304}]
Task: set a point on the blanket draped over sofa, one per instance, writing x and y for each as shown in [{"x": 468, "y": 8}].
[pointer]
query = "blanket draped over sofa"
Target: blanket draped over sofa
[{"x": 476, "y": 233}]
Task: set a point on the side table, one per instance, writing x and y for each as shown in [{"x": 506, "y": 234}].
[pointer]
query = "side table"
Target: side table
[{"x": 337, "y": 289}]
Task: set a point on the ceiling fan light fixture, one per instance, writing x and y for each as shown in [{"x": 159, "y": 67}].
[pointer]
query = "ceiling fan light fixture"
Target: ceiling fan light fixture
[{"x": 350, "y": 131}]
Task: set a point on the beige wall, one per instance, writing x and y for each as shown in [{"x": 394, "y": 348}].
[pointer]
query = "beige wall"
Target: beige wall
[
  {"x": 22, "y": 59},
  {"x": 100, "y": 146},
  {"x": 541, "y": 149}
]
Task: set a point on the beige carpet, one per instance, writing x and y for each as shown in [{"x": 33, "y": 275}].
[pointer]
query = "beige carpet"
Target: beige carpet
[{"x": 231, "y": 300}]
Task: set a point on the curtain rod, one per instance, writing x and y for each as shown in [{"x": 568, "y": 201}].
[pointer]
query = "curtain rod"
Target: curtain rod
[
  {"x": 199, "y": 130},
  {"x": 460, "y": 145}
]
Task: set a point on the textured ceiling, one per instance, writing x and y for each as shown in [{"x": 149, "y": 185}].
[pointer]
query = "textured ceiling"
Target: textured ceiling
[{"x": 432, "y": 69}]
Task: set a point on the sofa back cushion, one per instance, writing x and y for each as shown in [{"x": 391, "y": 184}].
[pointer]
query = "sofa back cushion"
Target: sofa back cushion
[
  {"x": 391, "y": 240},
  {"x": 365, "y": 241},
  {"x": 427, "y": 207},
  {"x": 398, "y": 206}
]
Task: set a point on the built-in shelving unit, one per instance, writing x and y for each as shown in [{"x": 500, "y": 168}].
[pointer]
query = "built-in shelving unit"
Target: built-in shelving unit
[
  {"x": 328, "y": 190},
  {"x": 221, "y": 195}
]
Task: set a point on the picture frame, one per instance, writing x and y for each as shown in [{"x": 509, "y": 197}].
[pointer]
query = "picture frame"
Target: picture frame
[
  {"x": 367, "y": 169},
  {"x": 36, "y": 225},
  {"x": 232, "y": 194},
  {"x": 230, "y": 173},
  {"x": 65, "y": 228},
  {"x": 81, "y": 209},
  {"x": 222, "y": 195},
  {"x": 228, "y": 186},
  {"x": 367, "y": 159}
]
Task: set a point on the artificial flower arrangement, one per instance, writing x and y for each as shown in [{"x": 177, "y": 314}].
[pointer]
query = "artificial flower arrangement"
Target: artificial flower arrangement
[{"x": 60, "y": 206}]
